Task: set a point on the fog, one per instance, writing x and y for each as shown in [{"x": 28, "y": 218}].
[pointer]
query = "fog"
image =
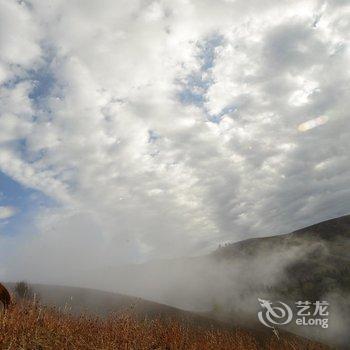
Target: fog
[{"x": 227, "y": 287}]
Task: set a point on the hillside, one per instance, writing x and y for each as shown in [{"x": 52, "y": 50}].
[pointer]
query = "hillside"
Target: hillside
[
  {"x": 312, "y": 263},
  {"x": 322, "y": 263},
  {"x": 308, "y": 264},
  {"x": 97, "y": 303}
]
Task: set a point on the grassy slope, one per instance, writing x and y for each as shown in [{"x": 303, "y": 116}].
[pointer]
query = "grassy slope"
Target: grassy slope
[{"x": 29, "y": 326}]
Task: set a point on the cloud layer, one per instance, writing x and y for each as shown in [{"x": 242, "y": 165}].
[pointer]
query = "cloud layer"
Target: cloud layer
[{"x": 163, "y": 128}]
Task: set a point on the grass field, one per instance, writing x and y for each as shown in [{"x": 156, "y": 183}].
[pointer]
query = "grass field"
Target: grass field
[{"x": 30, "y": 326}]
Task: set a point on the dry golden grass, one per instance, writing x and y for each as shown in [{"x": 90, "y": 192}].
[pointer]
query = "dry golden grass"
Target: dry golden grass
[{"x": 29, "y": 326}]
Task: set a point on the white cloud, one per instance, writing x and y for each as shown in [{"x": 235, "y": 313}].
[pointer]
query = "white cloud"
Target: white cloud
[
  {"x": 19, "y": 39},
  {"x": 117, "y": 70}
]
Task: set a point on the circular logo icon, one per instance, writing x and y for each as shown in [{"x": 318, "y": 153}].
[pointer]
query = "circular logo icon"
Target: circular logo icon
[{"x": 273, "y": 314}]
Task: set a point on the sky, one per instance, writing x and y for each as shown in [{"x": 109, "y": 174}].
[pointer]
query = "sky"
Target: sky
[{"x": 133, "y": 130}]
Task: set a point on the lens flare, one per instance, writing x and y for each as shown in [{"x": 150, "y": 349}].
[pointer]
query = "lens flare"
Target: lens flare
[{"x": 313, "y": 123}]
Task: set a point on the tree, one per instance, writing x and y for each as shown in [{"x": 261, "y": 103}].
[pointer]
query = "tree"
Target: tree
[{"x": 23, "y": 290}]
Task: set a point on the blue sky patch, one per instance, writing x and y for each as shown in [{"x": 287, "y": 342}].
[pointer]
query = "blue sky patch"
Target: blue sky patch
[
  {"x": 195, "y": 87},
  {"x": 25, "y": 200}
]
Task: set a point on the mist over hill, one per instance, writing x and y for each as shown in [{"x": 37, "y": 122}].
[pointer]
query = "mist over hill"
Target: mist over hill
[{"x": 312, "y": 263}]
